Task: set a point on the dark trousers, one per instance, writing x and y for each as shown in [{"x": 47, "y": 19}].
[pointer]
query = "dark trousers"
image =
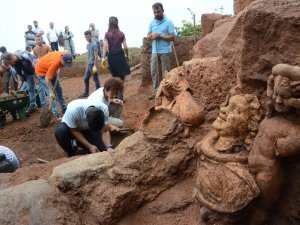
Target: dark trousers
[
  {"x": 54, "y": 46},
  {"x": 64, "y": 138}
]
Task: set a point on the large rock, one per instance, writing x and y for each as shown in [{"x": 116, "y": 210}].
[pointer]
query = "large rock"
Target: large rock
[
  {"x": 30, "y": 203},
  {"x": 109, "y": 185},
  {"x": 209, "y": 45},
  {"x": 265, "y": 34},
  {"x": 208, "y": 21},
  {"x": 239, "y": 5},
  {"x": 210, "y": 81}
]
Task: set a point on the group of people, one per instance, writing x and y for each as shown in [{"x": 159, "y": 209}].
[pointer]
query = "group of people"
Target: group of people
[
  {"x": 87, "y": 122},
  {"x": 58, "y": 41}
]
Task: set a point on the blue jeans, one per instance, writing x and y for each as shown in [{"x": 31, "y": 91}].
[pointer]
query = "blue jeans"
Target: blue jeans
[
  {"x": 31, "y": 89},
  {"x": 58, "y": 94},
  {"x": 86, "y": 78}
]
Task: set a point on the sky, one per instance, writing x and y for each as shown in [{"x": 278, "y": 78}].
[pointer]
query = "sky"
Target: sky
[{"x": 134, "y": 17}]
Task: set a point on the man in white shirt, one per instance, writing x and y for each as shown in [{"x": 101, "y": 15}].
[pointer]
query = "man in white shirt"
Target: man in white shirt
[
  {"x": 52, "y": 36},
  {"x": 37, "y": 30},
  {"x": 82, "y": 122}
]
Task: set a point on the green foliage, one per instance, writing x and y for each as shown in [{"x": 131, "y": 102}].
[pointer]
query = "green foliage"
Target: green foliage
[{"x": 187, "y": 29}]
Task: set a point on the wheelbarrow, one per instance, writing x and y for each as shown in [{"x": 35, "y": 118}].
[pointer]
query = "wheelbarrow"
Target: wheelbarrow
[{"x": 14, "y": 104}]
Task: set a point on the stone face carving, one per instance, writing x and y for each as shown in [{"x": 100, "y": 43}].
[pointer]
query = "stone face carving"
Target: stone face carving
[
  {"x": 223, "y": 182},
  {"x": 278, "y": 138},
  {"x": 175, "y": 95}
]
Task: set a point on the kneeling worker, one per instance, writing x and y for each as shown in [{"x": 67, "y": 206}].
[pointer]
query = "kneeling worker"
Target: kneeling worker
[
  {"x": 82, "y": 122},
  {"x": 108, "y": 95}
]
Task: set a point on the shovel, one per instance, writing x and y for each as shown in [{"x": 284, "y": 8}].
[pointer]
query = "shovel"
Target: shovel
[{"x": 46, "y": 114}]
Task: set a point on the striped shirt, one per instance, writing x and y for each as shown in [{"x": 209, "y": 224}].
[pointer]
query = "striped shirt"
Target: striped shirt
[{"x": 10, "y": 156}]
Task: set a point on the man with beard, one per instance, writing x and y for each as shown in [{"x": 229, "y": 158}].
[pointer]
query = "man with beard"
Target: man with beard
[{"x": 161, "y": 32}]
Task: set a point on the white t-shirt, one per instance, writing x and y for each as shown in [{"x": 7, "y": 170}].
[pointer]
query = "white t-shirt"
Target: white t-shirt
[
  {"x": 37, "y": 30},
  {"x": 98, "y": 96},
  {"x": 75, "y": 116},
  {"x": 52, "y": 34},
  {"x": 10, "y": 156}
]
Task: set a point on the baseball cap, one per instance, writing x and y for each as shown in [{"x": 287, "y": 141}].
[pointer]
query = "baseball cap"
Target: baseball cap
[
  {"x": 95, "y": 118},
  {"x": 67, "y": 60}
]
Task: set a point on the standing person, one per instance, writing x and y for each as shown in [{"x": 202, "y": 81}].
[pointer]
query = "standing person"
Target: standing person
[
  {"x": 24, "y": 65},
  {"x": 40, "y": 49},
  {"x": 95, "y": 37},
  {"x": 69, "y": 44},
  {"x": 117, "y": 57},
  {"x": 30, "y": 37},
  {"x": 47, "y": 71},
  {"x": 38, "y": 31},
  {"x": 81, "y": 125},
  {"x": 9, "y": 162},
  {"x": 161, "y": 32},
  {"x": 52, "y": 36},
  {"x": 7, "y": 72},
  {"x": 91, "y": 64}
]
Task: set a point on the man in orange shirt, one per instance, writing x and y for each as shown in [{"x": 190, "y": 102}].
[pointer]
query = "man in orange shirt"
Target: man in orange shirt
[
  {"x": 47, "y": 71},
  {"x": 40, "y": 49}
]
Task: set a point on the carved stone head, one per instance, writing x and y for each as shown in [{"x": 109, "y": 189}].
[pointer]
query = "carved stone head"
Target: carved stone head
[
  {"x": 237, "y": 120},
  {"x": 284, "y": 87}
]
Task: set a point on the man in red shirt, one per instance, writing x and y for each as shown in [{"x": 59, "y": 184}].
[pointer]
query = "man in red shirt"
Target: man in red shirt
[{"x": 47, "y": 70}]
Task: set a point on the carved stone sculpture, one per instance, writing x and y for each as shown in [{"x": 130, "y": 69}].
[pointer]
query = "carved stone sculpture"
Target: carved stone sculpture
[
  {"x": 224, "y": 183},
  {"x": 278, "y": 138},
  {"x": 175, "y": 95}
]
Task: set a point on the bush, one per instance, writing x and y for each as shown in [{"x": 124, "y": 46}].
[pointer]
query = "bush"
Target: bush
[{"x": 187, "y": 29}]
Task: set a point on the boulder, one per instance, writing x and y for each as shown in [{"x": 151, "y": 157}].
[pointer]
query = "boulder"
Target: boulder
[
  {"x": 208, "y": 21},
  {"x": 265, "y": 34},
  {"x": 239, "y": 5},
  {"x": 31, "y": 203}
]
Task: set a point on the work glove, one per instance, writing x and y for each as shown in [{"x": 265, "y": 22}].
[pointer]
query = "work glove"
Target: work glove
[
  {"x": 94, "y": 69},
  {"x": 52, "y": 95},
  {"x": 104, "y": 64}
]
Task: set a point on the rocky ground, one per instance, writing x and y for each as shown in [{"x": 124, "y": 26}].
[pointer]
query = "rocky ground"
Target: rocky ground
[{"x": 30, "y": 142}]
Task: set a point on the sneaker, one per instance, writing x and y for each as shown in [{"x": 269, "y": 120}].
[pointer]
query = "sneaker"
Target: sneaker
[
  {"x": 31, "y": 109},
  {"x": 84, "y": 95}
]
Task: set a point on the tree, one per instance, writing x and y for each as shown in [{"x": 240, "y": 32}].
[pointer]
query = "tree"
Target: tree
[{"x": 187, "y": 29}]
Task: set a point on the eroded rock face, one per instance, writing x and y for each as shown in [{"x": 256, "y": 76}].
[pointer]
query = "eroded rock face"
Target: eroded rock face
[
  {"x": 208, "y": 46},
  {"x": 265, "y": 34},
  {"x": 208, "y": 21},
  {"x": 239, "y": 5}
]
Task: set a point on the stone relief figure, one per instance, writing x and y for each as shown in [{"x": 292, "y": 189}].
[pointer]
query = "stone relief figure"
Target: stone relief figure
[
  {"x": 224, "y": 183},
  {"x": 278, "y": 138},
  {"x": 175, "y": 95}
]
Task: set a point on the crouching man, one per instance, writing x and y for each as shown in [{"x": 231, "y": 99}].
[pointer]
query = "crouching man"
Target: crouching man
[{"x": 82, "y": 123}]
